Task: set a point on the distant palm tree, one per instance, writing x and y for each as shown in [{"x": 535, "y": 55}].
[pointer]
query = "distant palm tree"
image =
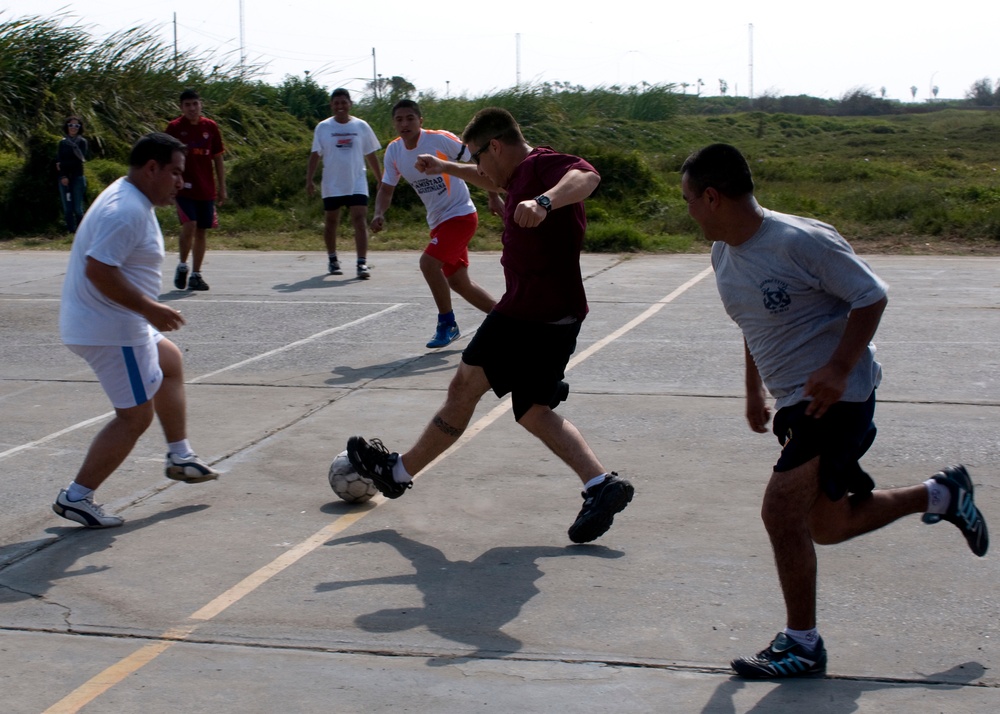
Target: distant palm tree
[{"x": 913, "y": 91}]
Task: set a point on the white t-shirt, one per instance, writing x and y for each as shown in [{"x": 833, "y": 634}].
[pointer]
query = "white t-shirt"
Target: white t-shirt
[
  {"x": 444, "y": 196},
  {"x": 791, "y": 288},
  {"x": 343, "y": 148},
  {"x": 119, "y": 229}
]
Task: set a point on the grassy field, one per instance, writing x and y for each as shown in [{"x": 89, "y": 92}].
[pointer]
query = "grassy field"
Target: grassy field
[{"x": 912, "y": 183}]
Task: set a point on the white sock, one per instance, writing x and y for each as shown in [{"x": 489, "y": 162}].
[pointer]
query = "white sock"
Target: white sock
[
  {"x": 938, "y": 497},
  {"x": 182, "y": 264},
  {"x": 399, "y": 472},
  {"x": 181, "y": 448},
  {"x": 594, "y": 481},
  {"x": 806, "y": 638},
  {"x": 76, "y": 492}
]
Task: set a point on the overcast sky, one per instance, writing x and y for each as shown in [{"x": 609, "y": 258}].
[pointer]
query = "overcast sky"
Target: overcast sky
[{"x": 820, "y": 49}]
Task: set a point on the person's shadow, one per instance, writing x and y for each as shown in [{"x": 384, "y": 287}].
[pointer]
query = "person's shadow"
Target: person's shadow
[
  {"x": 831, "y": 695},
  {"x": 315, "y": 283},
  {"x": 29, "y": 577},
  {"x": 463, "y": 601},
  {"x": 436, "y": 361}
]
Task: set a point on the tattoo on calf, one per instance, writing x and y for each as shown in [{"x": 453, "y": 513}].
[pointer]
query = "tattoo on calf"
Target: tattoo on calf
[{"x": 447, "y": 428}]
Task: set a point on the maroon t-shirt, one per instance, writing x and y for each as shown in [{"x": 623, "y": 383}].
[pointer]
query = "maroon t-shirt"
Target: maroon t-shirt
[
  {"x": 204, "y": 143},
  {"x": 541, "y": 265}
]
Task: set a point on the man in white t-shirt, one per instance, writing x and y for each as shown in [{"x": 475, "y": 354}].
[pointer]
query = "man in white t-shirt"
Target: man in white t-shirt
[
  {"x": 110, "y": 315},
  {"x": 344, "y": 143},
  {"x": 451, "y": 214}
]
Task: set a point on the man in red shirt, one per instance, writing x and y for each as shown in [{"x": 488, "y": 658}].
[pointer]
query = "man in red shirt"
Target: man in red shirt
[
  {"x": 525, "y": 342},
  {"x": 196, "y": 201}
]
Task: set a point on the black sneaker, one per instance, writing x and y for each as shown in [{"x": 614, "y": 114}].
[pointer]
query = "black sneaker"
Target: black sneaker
[
  {"x": 784, "y": 657},
  {"x": 333, "y": 267},
  {"x": 600, "y": 504},
  {"x": 962, "y": 509},
  {"x": 196, "y": 282},
  {"x": 181, "y": 277},
  {"x": 373, "y": 461}
]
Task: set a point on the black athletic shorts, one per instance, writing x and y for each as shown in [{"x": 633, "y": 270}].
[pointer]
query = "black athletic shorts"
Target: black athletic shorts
[
  {"x": 332, "y": 203},
  {"x": 525, "y": 359},
  {"x": 201, "y": 212},
  {"x": 840, "y": 438}
]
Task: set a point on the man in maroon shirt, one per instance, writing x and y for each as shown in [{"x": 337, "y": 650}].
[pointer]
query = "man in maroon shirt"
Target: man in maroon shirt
[
  {"x": 525, "y": 342},
  {"x": 197, "y": 200}
]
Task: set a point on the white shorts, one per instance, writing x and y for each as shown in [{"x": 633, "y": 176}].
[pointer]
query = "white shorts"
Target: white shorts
[{"x": 130, "y": 376}]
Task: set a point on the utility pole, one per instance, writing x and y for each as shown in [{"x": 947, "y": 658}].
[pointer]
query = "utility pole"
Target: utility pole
[
  {"x": 374, "y": 75},
  {"x": 751, "y": 64},
  {"x": 243, "y": 51},
  {"x": 175, "y": 43},
  {"x": 517, "y": 39}
]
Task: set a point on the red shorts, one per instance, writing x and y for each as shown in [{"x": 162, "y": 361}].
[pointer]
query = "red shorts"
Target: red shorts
[{"x": 450, "y": 242}]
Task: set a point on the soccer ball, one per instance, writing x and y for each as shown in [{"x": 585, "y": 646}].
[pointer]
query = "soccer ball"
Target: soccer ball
[{"x": 348, "y": 483}]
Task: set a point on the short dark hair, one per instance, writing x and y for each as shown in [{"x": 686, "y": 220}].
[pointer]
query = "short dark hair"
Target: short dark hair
[
  {"x": 719, "y": 166},
  {"x": 492, "y": 123},
  {"x": 189, "y": 94},
  {"x": 340, "y": 92},
  {"x": 406, "y": 104},
  {"x": 157, "y": 146},
  {"x": 74, "y": 119}
]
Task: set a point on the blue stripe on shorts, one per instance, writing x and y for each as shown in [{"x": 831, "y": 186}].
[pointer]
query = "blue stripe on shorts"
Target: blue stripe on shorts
[{"x": 134, "y": 376}]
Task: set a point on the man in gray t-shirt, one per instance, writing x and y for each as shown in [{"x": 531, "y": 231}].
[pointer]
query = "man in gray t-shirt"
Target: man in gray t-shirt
[{"x": 808, "y": 308}]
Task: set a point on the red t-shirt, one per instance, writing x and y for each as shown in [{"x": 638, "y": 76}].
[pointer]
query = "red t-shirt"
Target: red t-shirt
[
  {"x": 541, "y": 265},
  {"x": 204, "y": 142}
]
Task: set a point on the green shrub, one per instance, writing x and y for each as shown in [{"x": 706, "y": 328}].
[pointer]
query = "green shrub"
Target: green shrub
[{"x": 613, "y": 237}]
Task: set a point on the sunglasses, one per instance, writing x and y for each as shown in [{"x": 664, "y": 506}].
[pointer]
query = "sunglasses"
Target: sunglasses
[
  {"x": 475, "y": 155},
  {"x": 73, "y": 126}
]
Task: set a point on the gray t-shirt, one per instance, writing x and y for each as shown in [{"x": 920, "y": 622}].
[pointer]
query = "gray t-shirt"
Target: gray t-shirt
[{"x": 790, "y": 288}]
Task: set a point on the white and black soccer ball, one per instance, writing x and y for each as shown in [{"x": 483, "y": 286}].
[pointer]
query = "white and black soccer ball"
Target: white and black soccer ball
[{"x": 348, "y": 483}]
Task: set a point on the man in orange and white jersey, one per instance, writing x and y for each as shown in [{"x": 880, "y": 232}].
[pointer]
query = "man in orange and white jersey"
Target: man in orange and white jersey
[{"x": 451, "y": 214}]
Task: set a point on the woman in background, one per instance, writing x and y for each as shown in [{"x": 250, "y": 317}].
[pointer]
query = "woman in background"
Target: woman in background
[{"x": 70, "y": 157}]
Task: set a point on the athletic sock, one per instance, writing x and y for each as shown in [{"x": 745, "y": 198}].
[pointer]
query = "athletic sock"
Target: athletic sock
[
  {"x": 76, "y": 492},
  {"x": 181, "y": 448},
  {"x": 182, "y": 264},
  {"x": 807, "y": 638},
  {"x": 331, "y": 256},
  {"x": 597, "y": 480},
  {"x": 447, "y": 318},
  {"x": 938, "y": 497},
  {"x": 362, "y": 261},
  {"x": 399, "y": 472}
]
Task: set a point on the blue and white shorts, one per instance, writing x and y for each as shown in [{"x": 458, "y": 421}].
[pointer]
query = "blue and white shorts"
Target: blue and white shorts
[{"x": 130, "y": 376}]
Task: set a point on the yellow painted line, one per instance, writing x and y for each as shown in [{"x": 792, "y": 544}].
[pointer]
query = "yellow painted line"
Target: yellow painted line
[
  {"x": 114, "y": 674},
  {"x": 96, "y": 686},
  {"x": 289, "y": 557}
]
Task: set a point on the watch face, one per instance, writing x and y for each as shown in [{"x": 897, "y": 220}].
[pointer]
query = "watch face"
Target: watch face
[{"x": 545, "y": 202}]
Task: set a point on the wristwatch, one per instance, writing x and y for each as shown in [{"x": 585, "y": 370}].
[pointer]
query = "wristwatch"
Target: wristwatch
[{"x": 544, "y": 201}]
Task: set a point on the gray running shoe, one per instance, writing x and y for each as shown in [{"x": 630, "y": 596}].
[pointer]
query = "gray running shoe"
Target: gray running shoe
[
  {"x": 189, "y": 469},
  {"x": 84, "y": 511}
]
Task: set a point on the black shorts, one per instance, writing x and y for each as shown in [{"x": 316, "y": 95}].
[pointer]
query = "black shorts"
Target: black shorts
[
  {"x": 332, "y": 203},
  {"x": 840, "y": 438},
  {"x": 526, "y": 359},
  {"x": 201, "y": 212}
]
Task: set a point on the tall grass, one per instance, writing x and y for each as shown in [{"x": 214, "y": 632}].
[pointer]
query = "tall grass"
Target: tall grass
[{"x": 889, "y": 173}]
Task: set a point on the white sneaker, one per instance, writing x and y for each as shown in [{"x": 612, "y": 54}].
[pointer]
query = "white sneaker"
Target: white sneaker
[
  {"x": 189, "y": 469},
  {"x": 363, "y": 271},
  {"x": 85, "y": 511}
]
